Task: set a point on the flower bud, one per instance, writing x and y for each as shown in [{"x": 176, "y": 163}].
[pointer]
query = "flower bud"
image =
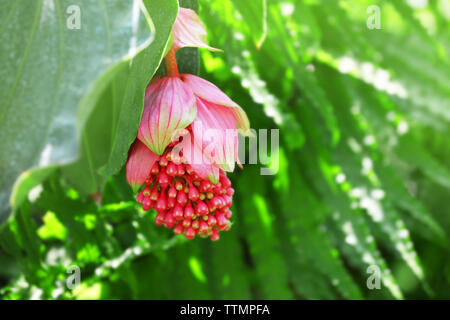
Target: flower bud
[
  {"x": 179, "y": 185},
  {"x": 139, "y": 162},
  {"x": 178, "y": 229},
  {"x": 160, "y": 218},
  {"x": 187, "y": 223},
  {"x": 193, "y": 194},
  {"x": 169, "y": 220},
  {"x": 211, "y": 221},
  {"x": 178, "y": 212},
  {"x": 214, "y": 235},
  {"x": 189, "y": 211},
  {"x": 181, "y": 197},
  {"x": 172, "y": 193},
  {"x": 171, "y": 169},
  {"x": 201, "y": 208},
  {"x": 161, "y": 203},
  {"x": 154, "y": 194},
  {"x": 171, "y": 202},
  {"x": 190, "y": 233},
  {"x": 221, "y": 220},
  {"x": 195, "y": 224}
]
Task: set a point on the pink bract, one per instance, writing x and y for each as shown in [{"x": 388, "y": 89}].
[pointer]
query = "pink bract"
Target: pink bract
[{"x": 189, "y": 31}]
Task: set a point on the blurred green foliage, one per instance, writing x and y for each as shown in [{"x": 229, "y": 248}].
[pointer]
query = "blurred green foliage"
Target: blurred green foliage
[{"x": 361, "y": 176}]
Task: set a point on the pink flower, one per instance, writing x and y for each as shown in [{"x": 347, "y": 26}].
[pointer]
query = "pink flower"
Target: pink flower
[
  {"x": 174, "y": 103},
  {"x": 187, "y": 139},
  {"x": 189, "y": 31},
  {"x": 140, "y": 161},
  {"x": 182, "y": 199},
  {"x": 219, "y": 116},
  {"x": 169, "y": 106},
  {"x": 187, "y": 185}
]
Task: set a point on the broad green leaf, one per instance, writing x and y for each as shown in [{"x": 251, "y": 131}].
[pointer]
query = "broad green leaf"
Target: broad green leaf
[
  {"x": 95, "y": 147},
  {"x": 55, "y": 59},
  {"x": 129, "y": 87},
  {"x": 27, "y": 181}
]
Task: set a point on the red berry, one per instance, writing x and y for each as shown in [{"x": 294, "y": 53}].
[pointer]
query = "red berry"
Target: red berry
[
  {"x": 185, "y": 201},
  {"x": 226, "y": 183}
]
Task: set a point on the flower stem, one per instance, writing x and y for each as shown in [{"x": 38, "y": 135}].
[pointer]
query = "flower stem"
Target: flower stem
[{"x": 170, "y": 62}]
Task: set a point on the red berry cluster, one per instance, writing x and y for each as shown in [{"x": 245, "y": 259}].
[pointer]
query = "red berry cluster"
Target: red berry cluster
[{"x": 184, "y": 201}]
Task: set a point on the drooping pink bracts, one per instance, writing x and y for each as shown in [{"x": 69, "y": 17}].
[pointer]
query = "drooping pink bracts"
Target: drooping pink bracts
[
  {"x": 184, "y": 201},
  {"x": 175, "y": 102}
]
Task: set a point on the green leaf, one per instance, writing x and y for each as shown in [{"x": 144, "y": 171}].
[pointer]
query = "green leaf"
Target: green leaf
[
  {"x": 52, "y": 228},
  {"x": 254, "y": 13},
  {"x": 264, "y": 247},
  {"x": 52, "y": 76},
  {"x": 95, "y": 147},
  {"x": 129, "y": 87},
  {"x": 418, "y": 156},
  {"x": 307, "y": 241}
]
